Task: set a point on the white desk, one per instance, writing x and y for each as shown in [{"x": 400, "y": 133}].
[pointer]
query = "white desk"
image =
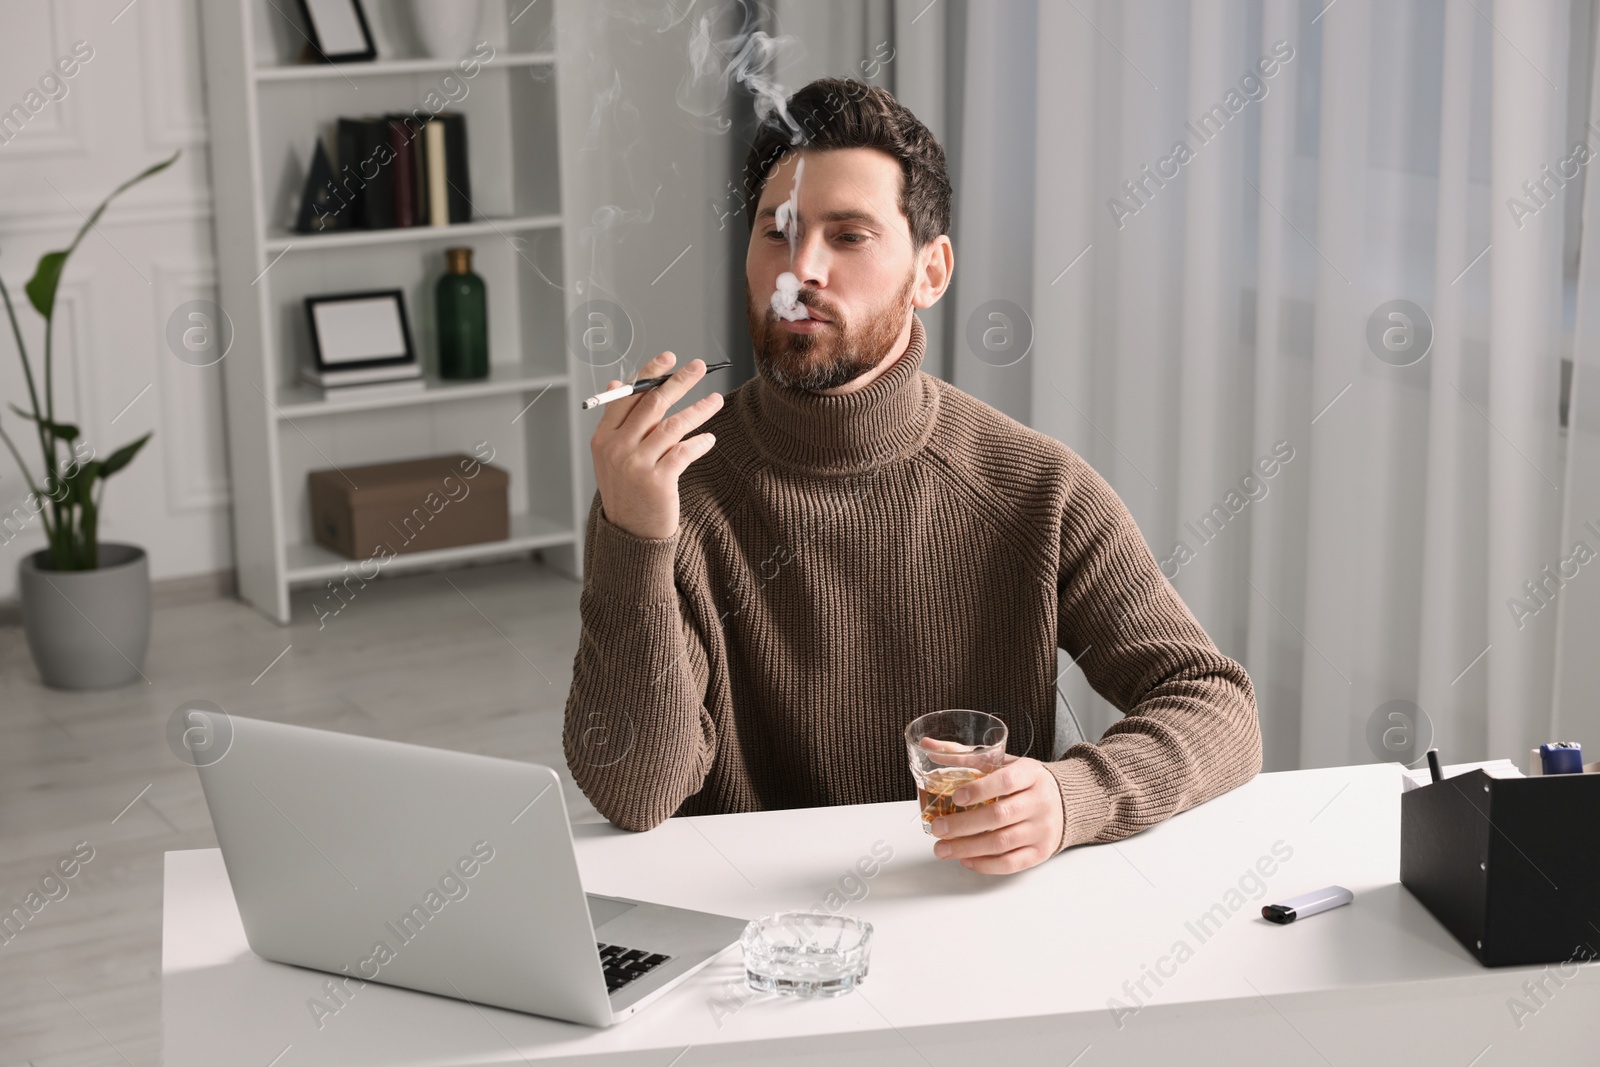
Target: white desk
[{"x": 965, "y": 967}]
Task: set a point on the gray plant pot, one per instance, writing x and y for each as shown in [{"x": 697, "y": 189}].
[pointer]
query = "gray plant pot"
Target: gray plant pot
[{"x": 87, "y": 629}]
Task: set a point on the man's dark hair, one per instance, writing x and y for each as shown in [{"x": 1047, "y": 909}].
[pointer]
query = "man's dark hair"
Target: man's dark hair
[{"x": 845, "y": 113}]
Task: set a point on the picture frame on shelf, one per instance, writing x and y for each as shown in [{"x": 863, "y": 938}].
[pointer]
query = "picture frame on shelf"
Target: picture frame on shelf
[
  {"x": 338, "y": 30},
  {"x": 360, "y": 337}
]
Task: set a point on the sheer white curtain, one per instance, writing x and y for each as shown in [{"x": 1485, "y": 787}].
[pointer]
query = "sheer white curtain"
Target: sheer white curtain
[
  {"x": 1577, "y": 666},
  {"x": 1348, "y": 520}
]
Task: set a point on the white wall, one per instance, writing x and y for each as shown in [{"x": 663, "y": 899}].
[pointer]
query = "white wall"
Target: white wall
[{"x": 133, "y": 103}]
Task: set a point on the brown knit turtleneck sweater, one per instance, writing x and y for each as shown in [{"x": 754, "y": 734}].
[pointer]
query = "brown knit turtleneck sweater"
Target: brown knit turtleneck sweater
[{"x": 846, "y": 563}]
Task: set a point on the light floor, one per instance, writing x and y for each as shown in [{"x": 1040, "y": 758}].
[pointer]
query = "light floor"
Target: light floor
[{"x": 477, "y": 660}]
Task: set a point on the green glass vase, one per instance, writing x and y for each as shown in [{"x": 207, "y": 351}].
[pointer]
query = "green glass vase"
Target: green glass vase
[{"x": 463, "y": 314}]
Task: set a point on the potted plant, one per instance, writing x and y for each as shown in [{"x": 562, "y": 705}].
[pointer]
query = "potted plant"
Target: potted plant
[{"x": 85, "y": 602}]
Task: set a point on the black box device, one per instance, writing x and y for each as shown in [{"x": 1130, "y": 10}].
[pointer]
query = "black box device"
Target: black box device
[{"x": 1510, "y": 866}]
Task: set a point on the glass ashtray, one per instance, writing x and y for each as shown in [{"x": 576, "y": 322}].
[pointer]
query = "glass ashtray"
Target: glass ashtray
[{"x": 806, "y": 954}]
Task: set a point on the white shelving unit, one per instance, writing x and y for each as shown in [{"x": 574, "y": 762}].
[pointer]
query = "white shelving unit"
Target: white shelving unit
[{"x": 266, "y": 111}]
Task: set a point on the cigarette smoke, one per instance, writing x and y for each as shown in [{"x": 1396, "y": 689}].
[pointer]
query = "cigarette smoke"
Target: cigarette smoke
[
  {"x": 786, "y": 299},
  {"x": 747, "y": 58},
  {"x": 784, "y": 302}
]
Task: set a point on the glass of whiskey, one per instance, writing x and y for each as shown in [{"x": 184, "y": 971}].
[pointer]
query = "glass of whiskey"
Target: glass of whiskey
[{"x": 948, "y": 749}]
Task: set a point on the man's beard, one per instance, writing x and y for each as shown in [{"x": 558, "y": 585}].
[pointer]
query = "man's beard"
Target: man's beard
[{"x": 840, "y": 352}]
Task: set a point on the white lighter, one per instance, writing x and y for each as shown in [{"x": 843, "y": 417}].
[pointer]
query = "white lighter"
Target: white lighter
[{"x": 1307, "y": 904}]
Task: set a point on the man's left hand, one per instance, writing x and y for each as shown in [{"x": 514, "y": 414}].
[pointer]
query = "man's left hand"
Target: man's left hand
[{"x": 1020, "y": 829}]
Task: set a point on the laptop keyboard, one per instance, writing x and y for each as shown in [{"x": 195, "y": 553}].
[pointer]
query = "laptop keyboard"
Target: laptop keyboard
[{"x": 623, "y": 965}]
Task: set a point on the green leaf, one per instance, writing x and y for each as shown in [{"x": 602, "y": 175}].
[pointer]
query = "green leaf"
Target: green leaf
[
  {"x": 80, "y": 485},
  {"x": 64, "y": 430},
  {"x": 41, "y": 288},
  {"x": 121, "y": 457}
]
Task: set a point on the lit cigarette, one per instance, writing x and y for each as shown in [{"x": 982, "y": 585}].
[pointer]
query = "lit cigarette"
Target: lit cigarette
[{"x": 640, "y": 386}]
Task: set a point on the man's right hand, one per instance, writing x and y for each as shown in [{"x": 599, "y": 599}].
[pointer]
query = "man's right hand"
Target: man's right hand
[{"x": 639, "y": 454}]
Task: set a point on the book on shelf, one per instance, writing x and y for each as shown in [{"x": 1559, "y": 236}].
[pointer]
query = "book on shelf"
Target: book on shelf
[
  {"x": 345, "y": 394},
  {"x": 438, "y": 190},
  {"x": 446, "y": 190},
  {"x": 403, "y": 173},
  {"x": 419, "y": 169},
  {"x": 397, "y": 171},
  {"x": 366, "y": 183},
  {"x": 409, "y": 375},
  {"x": 455, "y": 165}
]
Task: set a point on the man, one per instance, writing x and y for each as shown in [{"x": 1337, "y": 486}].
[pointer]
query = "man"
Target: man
[{"x": 852, "y": 542}]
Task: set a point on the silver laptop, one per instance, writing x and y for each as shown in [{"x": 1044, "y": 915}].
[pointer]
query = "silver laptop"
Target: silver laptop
[{"x": 439, "y": 871}]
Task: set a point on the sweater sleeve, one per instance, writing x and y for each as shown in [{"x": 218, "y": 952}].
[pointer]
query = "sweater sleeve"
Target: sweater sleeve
[
  {"x": 1190, "y": 731},
  {"x": 637, "y": 736}
]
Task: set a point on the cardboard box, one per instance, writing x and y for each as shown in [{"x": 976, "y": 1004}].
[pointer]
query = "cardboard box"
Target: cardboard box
[{"x": 415, "y": 505}]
